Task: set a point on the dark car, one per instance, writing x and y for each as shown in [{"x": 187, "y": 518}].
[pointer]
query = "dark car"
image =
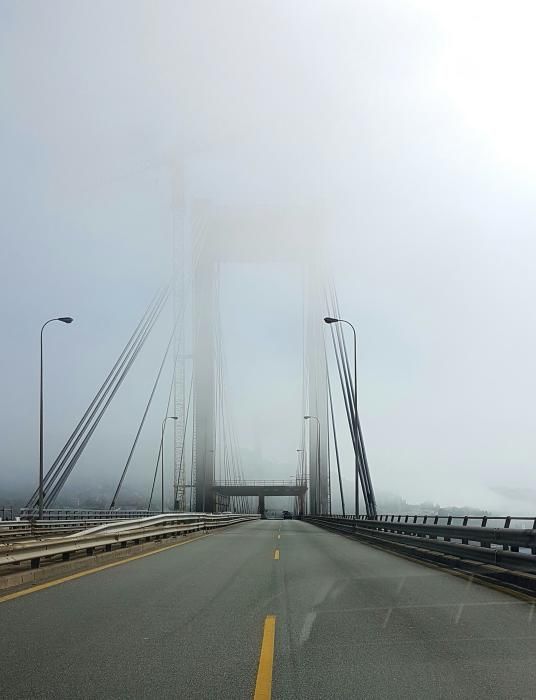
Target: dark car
[{"x": 287, "y": 515}]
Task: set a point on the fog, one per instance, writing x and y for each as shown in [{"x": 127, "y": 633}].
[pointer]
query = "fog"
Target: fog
[{"x": 408, "y": 126}]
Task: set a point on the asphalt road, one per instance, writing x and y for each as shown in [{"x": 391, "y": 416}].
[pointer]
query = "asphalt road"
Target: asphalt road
[{"x": 351, "y": 622}]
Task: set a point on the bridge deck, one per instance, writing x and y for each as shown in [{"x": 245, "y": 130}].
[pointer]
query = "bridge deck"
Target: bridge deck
[{"x": 350, "y": 621}]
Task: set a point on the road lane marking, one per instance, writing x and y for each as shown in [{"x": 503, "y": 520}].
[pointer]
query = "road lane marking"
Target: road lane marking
[
  {"x": 276, "y": 555},
  {"x": 87, "y": 572},
  {"x": 458, "y": 614},
  {"x": 263, "y": 686},
  {"x": 307, "y": 626},
  {"x": 387, "y": 618},
  {"x": 279, "y": 537}
]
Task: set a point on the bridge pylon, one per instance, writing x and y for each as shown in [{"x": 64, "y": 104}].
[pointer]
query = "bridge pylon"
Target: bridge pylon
[{"x": 258, "y": 237}]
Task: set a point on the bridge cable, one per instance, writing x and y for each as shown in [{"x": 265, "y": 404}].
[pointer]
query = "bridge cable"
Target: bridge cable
[
  {"x": 118, "y": 378},
  {"x": 117, "y": 381},
  {"x": 157, "y": 465},
  {"x": 345, "y": 384},
  {"x": 196, "y": 254},
  {"x": 366, "y": 483},
  {"x": 74, "y": 438},
  {"x": 183, "y": 440},
  {"x": 364, "y": 473},
  {"x": 336, "y": 445},
  {"x": 232, "y": 467},
  {"x": 146, "y": 411},
  {"x": 348, "y": 390}
]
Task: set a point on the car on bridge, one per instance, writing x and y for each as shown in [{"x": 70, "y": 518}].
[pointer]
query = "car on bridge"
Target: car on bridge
[{"x": 287, "y": 515}]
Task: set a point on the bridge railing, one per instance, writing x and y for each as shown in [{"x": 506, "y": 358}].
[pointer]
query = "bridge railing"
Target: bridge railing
[
  {"x": 60, "y": 521},
  {"x": 464, "y": 520},
  {"x": 83, "y": 514},
  {"x": 11, "y": 530},
  {"x": 7, "y": 513},
  {"x": 512, "y": 545},
  {"x": 79, "y": 520},
  {"x": 108, "y": 536}
]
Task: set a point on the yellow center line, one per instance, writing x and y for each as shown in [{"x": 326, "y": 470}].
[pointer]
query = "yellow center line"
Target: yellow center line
[
  {"x": 263, "y": 686},
  {"x": 87, "y": 572},
  {"x": 276, "y": 555}
]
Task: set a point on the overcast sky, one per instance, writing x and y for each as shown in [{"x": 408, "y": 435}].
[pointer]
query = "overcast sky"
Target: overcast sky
[{"x": 409, "y": 124}]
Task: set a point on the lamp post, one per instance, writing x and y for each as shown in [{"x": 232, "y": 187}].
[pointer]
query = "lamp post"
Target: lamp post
[
  {"x": 318, "y": 502},
  {"x": 63, "y": 319},
  {"x": 301, "y": 463},
  {"x": 329, "y": 320},
  {"x": 162, "y": 452},
  {"x": 302, "y": 478}
]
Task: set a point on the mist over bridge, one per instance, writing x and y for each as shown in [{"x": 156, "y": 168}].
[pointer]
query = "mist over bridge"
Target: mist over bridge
[
  {"x": 205, "y": 444},
  {"x": 261, "y": 592},
  {"x": 214, "y": 214}
]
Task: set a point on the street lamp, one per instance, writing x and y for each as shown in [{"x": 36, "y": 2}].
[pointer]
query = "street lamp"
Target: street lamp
[
  {"x": 329, "y": 320},
  {"x": 301, "y": 462},
  {"x": 302, "y": 477},
  {"x": 317, "y": 460},
  {"x": 162, "y": 452},
  {"x": 63, "y": 319}
]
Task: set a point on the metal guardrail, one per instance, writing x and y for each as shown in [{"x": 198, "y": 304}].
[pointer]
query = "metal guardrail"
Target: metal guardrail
[
  {"x": 120, "y": 533},
  {"x": 31, "y": 529},
  {"x": 18, "y": 530},
  {"x": 83, "y": 514},
  {"x": 499, "y": 546},
  {"x": 484, "y": 520},
  {"x": 7, "y": 513},
  {"x": 13, "y": 530}
]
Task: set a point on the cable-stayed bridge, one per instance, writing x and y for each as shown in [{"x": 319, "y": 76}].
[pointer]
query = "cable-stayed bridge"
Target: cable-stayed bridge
[
  {"x": 206, "y": 448},
  {"x": 198, "y": 595}
]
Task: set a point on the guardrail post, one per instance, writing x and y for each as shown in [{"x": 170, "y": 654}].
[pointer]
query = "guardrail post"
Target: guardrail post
[
  {"x": 449, "y": 522},
  {"x": 506, "y": 525},
  {"x": 465, "y": 521},
  {"x": 34, "y": 563},
  {"x": 431, "y": 536},
  {"x": 484, "y": 524},
  {"x": 513, "y": 547}
]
